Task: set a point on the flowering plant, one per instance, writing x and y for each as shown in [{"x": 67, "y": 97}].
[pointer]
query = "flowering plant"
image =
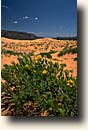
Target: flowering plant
[{"x": 43, "y": 88}]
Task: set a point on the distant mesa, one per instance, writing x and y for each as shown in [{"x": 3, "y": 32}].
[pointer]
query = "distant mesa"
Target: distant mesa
[
  {"x": 28, "y": 36},
  {"x": 18, "y": 35}
]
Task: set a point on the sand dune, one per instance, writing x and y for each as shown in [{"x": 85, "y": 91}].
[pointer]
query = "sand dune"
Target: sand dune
[{"x": 39, "y": 46}]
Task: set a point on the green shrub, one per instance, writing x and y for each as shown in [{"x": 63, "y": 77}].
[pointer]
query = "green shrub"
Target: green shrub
[
  {"x": 48, "y": 54},
  {"x": 68, "y": 50},
  {"x": 52, "y": 51},
  {"x": 64, "y": 51},
  {"x": 9, "y": 52},
  {"x": 35, "y": 86},
  {"x": 72, "y": 50}
]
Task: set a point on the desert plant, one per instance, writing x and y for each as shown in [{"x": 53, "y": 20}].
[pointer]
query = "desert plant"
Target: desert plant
[
  {"x": 38, "y": 86},
  {"x": 68, "y": 49},
  {"x": 9, "y": 52}
]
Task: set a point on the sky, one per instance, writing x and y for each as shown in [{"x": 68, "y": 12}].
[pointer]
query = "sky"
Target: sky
[{"x": 48, "y": 18}]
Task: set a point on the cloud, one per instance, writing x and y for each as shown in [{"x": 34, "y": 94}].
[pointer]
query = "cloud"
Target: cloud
[
  {"x": 15, "y": 22},
  {"x": 36, "y": 18},
  {"x": 25, "y": 17},
  {"x": 22, "y": 19},
  {"x": 5, "y": 6}
]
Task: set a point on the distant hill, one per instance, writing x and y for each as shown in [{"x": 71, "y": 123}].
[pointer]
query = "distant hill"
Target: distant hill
[
  {"x": 19, "y": 35},
  {"x": 66, "y": 38},
  {"x": 28, "y": 36}
]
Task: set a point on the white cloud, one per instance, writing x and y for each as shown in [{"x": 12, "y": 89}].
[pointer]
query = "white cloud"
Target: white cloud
[
  {"x": 36, "y": 18},
  {"x": 15, "y": 22},
  {"x": 25, "y": 17},
  {"x": 5, "y": 6}
]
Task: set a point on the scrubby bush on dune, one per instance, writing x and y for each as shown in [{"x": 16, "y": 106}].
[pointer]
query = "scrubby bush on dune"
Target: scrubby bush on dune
[
  {"x": 38, "y": 87},
  {"x": 68, "y": 49},
  {"x": 47, "y": 54}
]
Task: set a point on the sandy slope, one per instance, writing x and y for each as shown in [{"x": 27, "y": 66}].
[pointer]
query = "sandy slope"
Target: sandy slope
[{"x": 37, "y": 46}]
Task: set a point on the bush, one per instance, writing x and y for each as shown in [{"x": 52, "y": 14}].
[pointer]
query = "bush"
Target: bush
[
  {"x": 37, "y": 87},
  {"x": 64, "y": 51},
  {"x": 48, "y": 54},
  {"x": 72, "y": 50},
  {"x": 68, "y": 50},
  {"x": 9, "y": 52}
]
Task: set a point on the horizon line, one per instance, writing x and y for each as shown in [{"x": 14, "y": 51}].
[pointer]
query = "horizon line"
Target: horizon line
[{"x": 38, "y": 35}]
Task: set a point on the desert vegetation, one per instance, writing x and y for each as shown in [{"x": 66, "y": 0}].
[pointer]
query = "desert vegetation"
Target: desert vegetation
[
  {"x": 42, "y": 80},
  {"x": 68, "y": 49},
  {"x": 37, "y": 87}
]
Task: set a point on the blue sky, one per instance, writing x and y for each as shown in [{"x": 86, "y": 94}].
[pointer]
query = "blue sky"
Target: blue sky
[{"x": 49, "y": 18}]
